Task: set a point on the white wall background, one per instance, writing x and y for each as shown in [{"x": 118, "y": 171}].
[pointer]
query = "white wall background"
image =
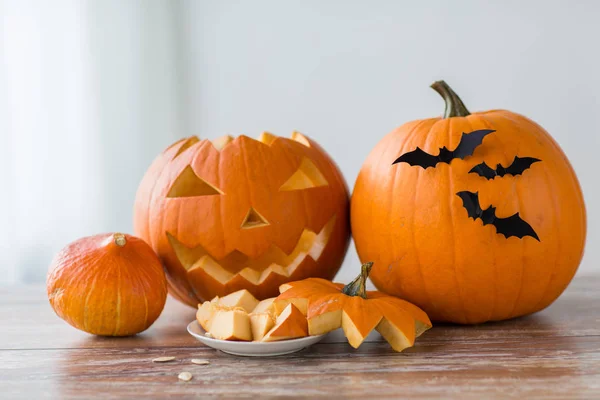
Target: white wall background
[{"x": 90, "y": 92}]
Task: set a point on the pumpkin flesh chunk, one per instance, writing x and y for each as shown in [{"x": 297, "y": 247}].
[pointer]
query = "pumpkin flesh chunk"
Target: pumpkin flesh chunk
[
  {"x": 261, "y": 324},
  {"x": 205, "y": 313},
  {"x": 241, "y": 298},
  {"x": 239, "y": 316},
  {"x": 231, "y": 324},
  {"x": 265, "y": 305},
  {"x": 262, "y": 318},
  {"x": 327, "y": 322},
  {"x": 290, "y": 324}
]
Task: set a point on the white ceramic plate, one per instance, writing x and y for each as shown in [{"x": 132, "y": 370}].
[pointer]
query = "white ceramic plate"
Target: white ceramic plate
[{"x": 252, "y": 349}]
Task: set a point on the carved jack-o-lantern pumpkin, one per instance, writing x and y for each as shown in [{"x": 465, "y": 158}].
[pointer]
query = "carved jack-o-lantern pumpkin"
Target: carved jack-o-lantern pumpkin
[
  {"x": 473, "y": 217},
  {"x": 241, "y": 213}
]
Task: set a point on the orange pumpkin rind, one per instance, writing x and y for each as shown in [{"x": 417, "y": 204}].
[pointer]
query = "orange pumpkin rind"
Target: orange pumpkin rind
[
  {"x": 243, "y": 213},
  {"x": 328, "y": 306}
]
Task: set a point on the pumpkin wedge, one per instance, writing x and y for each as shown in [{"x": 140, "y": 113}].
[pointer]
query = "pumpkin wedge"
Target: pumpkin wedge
[
  {"x": 290, "y": 324},
  {"x": 262, "y": 319},
  {"x": 205, "y": 313},
  {"x": 231, "y": 324},
  {"x": 261, "y": 324},
  {"x": 328, "y": 306},
  {"x": 242, "y": 298},
  {"x": 265, "y": 305}
]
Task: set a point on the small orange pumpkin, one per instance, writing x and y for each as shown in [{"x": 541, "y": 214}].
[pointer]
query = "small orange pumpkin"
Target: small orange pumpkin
[
  {"x": 473, "y": 217},
  {"x": 328, "y": 306},
  {"x": 243, "y": 213},
  {"x": 109, "y": 285}
]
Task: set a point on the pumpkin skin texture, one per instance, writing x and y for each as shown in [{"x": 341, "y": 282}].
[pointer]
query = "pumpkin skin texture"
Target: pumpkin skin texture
[
  {"x": 329, "y": 306},
  {"x": 243, "y": 213},
  {"x": 109, "y": 285},
  {"x": 426, "y": 249}
]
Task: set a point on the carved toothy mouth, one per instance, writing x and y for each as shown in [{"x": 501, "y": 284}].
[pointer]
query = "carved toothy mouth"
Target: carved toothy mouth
[{"x": 257, "y": 270}]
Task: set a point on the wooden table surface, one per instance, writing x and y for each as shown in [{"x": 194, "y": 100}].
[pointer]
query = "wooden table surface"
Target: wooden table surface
[{"x": 552, "y": 354}]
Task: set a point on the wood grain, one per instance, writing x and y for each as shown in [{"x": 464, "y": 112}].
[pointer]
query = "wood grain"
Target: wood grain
[{"x": 553, "y": 354}]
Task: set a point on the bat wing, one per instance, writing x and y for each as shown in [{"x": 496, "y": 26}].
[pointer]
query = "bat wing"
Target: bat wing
[
  {"x": 418, "y": 157},
  {"x": 469, "y": 142},
  {"x": 484, "y": 170},
  {"x": 520, "y": 164},
  {"x": 471, "y": 203},
  {"x": 514, "y": 226}
]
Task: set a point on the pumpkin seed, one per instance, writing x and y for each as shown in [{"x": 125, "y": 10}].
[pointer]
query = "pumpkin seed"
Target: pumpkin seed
[
  {"x": 200, "y": 361},
  {"x": 185, "y": 376},
  {"x": 163, "y": 359}
]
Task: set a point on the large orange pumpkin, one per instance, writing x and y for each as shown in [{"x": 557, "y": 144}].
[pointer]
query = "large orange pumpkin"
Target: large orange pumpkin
[
  {"x": 240, "y": 213},
  {"x": 109, "y": 284},
  {"x": 473, "y": 217}
]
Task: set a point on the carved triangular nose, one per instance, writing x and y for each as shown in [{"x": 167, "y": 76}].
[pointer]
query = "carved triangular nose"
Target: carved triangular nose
[{"x": 253, "y": 220}]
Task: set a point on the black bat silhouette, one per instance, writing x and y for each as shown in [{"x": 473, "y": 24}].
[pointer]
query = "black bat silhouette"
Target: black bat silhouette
[
  {"x": 515, "y": 168},
  {"x": 511, "y": 226},
  {"x": 467, "y": 145}
]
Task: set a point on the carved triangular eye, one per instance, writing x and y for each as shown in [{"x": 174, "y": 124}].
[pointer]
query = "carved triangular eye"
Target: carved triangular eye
[
  {"x": 253, "y": 220},
  {"x": 306, "y": 176},
  {"x": 188, "y": 184}
]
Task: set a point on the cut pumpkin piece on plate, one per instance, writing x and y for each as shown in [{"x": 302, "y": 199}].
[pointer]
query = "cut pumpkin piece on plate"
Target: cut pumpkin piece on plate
[
  {"x": 265, "y": 305},
  {"x": 242, "y": 298},
  {"x": 329, "y": 306},
  {"x": 261, "y": 324},
  {"x": 230, "y": 324},
  {"x": 205, "y": 313},
  {"x": 290, "y": 324},
  {"x": 262, "y": 318}
]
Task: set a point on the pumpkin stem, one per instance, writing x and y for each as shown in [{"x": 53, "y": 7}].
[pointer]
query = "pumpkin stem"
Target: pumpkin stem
[
  {"x": 119, "y": 239},
  {"x": 454, "y": 105},
  {"x": 358, "y": 287}
]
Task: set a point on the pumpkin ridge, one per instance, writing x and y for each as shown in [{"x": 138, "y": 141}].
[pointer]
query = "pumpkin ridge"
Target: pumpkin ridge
[
  {"x": 409, "y": 136},
  {"x": 420, "y": 172},
  {"x": 516, "y": 194},
  {"x": 556, "y": 221},
  {"x": 118, "y": 302},
  {"x": 552, "y": 190},
  {"x": 141, "y": 278},
  {"x": 172, "y": 145},
  {"x": 151, "y": 199},
  {"x": 492, "y": 312},
  {"x": 292, "y": 164},
  {"x": 452, "y": 235},
  {"x": 90, "y": 290},
  {"x": 187, "y": 144}
]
